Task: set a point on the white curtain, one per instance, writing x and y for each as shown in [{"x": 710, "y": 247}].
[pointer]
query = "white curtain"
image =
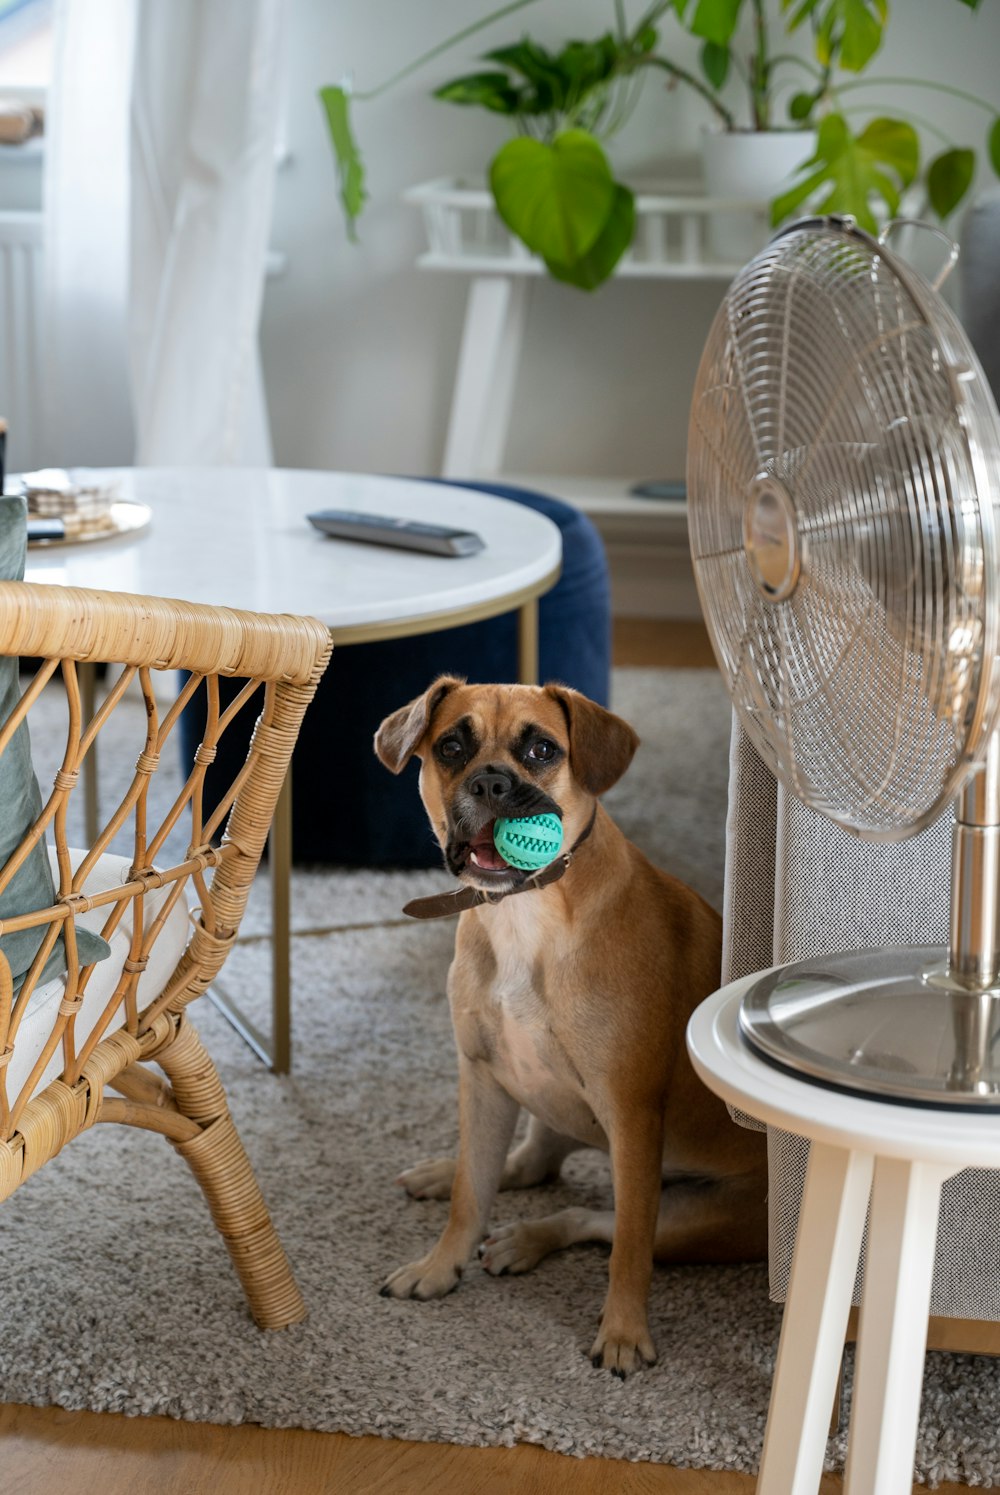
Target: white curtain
[{"x": 160, "y": 168}]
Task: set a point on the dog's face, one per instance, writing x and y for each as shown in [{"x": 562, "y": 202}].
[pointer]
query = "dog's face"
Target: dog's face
[{"x": 504, "y": 750}]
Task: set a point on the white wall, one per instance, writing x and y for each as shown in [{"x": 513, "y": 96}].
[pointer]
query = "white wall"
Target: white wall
[{"x": 360, "y": 347}]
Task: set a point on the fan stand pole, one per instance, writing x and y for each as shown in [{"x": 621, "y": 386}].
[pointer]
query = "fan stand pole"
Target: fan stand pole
[{"x": 974, "y": 953}]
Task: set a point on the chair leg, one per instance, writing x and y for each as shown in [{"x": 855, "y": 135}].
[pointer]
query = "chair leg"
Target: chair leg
[{"x": 220, "y": 1164}]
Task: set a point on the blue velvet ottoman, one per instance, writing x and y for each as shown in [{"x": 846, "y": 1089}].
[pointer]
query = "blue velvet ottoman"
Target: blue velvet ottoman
[{"x": 351, "y": 811}]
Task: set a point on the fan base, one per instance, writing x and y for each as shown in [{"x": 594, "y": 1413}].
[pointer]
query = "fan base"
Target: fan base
[{"x": 888, "y": 1024}]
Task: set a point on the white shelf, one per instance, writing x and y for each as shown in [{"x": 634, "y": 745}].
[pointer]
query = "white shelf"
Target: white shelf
[
  {"x": 605, "y": 498},
  {"x": 466, "y": 234},
  {"x": 646, "y": 540}
]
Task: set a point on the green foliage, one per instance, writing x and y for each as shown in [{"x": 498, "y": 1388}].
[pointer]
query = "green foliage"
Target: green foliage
[
  {"x": 561, "y": 199},
  {"x": 993, "y": 145},
  {"x": 949, "y": 178},
  {"x": 562, "y": 85},
  {"x": 800, "y": 106},
  {"x": 850, "y": 32},
  {"x": 593, "y": 268},
  {"x": 716, "y": 20},
  {"x": 877, "y": 163},
  {"x": 350, "y": 171},
  {"x": 485, "y": 90},
  {"x": 553, "y": 185},
  {"x": 715, "y": 63}
]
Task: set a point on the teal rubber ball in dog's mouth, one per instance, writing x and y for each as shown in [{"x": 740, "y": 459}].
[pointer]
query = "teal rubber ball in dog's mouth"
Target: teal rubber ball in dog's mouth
[{"x": 530, "y": 843}]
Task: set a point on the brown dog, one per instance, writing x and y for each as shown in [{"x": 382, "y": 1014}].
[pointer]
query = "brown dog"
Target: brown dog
[{"x": 572, "y": 1001}]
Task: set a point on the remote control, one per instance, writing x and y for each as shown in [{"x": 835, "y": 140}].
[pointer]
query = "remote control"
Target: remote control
[{"x": 405, "y": 534}]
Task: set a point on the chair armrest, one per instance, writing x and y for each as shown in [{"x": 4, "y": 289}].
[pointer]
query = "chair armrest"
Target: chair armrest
[{"x": 160, "y": 633}]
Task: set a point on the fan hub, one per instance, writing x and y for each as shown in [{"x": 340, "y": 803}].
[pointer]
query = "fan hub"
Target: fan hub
[{"x": 771, "y": 537}]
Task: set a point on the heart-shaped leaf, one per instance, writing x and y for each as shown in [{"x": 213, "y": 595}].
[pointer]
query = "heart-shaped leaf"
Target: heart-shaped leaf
[
  {"x": 593, "y": 268},
  {"x": 557, "y": 198},
  {"x": 350, "y": 171},
  {"x": 949, "y": 178}
]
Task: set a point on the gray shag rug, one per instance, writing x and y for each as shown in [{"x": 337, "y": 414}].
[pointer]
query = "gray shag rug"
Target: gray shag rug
[{"x": 117, "y": 1295}]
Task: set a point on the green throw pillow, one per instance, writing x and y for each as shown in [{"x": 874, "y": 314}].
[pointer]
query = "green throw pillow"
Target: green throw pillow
[{"x": 21, "y": 800}]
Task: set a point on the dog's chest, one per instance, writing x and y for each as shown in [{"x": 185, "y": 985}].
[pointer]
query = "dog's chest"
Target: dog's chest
[{"x": 527, "y": 1056}]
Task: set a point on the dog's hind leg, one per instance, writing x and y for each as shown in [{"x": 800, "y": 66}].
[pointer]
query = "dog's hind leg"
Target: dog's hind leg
[
  {"x": 535, "y": 1160},
  {"x": 718, "y": 1219},
  {"x": 538, "y": 1158},
  {"x": 522, "y": 1244},
  {"x": 700, "y": 1220}
]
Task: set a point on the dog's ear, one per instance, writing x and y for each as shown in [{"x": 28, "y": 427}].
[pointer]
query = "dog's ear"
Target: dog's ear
[
  {"x": 397, "y": 738},
  {"x": 601, "y": 745}
]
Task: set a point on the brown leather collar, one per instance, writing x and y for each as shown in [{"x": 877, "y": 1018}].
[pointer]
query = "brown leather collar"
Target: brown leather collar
[{"x": 444, "y": 905}]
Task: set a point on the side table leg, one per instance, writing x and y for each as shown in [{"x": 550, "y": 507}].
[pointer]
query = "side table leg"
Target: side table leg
[
  {"x": 527, "y": 643},
  {"x": 892, "y": 1333},
  {"x": 824, "y": 1267}
]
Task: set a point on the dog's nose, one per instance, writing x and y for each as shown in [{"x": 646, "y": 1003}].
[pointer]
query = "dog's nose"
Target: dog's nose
[{"x": 491, "y": 784}]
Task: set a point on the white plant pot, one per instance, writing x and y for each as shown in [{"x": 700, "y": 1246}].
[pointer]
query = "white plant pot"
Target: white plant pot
[{"x": 752, "y": 166}]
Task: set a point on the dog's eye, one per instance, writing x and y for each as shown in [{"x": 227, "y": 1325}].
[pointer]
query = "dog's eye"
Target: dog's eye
[
  {"x": 451, "y": 747},
  {"x": 543, "y": 751}
]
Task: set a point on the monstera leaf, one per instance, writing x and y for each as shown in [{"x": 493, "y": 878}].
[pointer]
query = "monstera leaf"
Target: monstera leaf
[
  {"x": 562, "y": 201},
  {"x": 878, "y": 163}
]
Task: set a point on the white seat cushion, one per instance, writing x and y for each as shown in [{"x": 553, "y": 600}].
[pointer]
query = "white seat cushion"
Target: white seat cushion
[{"x": 38, "y": 1020}]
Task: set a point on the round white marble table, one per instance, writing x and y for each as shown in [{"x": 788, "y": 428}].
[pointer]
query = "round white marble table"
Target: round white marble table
[{"x": 238, "y": 537}]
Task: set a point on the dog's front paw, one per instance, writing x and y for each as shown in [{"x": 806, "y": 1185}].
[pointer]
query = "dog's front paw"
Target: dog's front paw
[
  {"x": 427, "y": 1278},
  {"x": 431, "y": 1178},
  {"x": 622, "y": 1350}
]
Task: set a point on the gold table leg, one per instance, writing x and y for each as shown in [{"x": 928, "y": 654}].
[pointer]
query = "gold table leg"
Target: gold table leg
[
  {"x": 281, "y": 928},
  {"x": 276, "y": 1050},
  {"x": 527, "y": 643}
]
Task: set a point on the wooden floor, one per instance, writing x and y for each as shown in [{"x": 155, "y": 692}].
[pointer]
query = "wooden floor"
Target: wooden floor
[{"x": 45, "y": 1449}]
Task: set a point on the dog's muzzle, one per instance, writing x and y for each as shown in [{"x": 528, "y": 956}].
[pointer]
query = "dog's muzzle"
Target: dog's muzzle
[{"x": 484, "y": 797}]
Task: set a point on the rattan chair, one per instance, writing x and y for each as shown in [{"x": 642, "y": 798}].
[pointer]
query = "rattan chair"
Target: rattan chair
[{"x": 62, "y": 1053}]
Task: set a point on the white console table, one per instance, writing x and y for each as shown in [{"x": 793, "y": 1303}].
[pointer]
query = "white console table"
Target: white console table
[{"x": 646, "y": 539}]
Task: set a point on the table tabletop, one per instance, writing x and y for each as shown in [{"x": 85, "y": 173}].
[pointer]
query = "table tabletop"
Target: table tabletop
[
  {"x": 238, "y": 537},
  {"x": 730, "y": 1068}
]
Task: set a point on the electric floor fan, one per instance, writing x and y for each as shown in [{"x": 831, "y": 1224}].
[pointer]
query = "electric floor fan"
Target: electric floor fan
[{"x": 844, "y": 502}]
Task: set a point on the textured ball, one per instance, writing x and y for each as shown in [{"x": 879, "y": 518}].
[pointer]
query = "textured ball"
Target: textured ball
[{"x": 529, "y": 843}]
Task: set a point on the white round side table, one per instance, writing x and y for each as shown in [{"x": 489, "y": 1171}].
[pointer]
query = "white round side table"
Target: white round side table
[{"x": 899, "y": 1155}]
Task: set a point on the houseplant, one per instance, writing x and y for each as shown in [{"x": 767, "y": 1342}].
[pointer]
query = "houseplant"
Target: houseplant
[{"x": 553, "y": 184}]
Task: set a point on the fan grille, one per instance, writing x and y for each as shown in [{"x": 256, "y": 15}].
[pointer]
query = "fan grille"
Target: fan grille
[{"x": 843, "y": 471}]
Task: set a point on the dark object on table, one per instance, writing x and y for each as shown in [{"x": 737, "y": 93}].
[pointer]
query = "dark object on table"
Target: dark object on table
[
  {"x": 350, "y": 811},
  {"x": 673, "y": 491},
  {"x": 401, "y": 534},
  {"x": 45, "y": 529}
]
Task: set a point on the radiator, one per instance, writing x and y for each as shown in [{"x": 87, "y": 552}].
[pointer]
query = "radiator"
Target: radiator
[{"x": 21, "y": 292}]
